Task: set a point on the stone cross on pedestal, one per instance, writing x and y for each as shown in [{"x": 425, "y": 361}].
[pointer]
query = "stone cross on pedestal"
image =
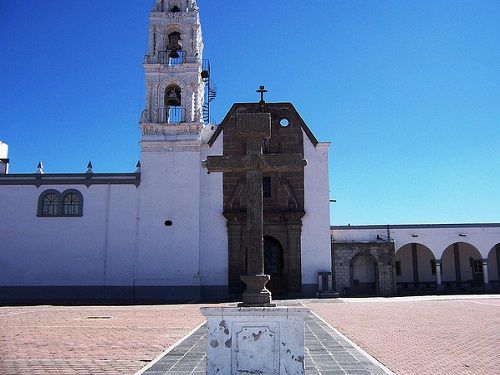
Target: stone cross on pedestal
[{"x": 255, "y": 128}]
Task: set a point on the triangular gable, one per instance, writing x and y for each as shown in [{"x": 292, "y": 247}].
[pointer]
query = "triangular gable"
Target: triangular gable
[{"x": 257, "y": 108}]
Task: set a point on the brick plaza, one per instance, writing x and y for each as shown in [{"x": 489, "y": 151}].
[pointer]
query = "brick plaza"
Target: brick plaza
[{"x": 436, "y": 335}]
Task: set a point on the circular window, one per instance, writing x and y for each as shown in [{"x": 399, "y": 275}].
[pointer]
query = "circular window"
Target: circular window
[
  {"x": 168, "y": 223},
  {"x": 284, "y": 122}
]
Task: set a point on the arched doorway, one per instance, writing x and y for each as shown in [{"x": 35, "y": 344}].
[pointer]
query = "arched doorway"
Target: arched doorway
[
  {"x": 273, "y": 265},
  {"x": 364, "y": 275},
  {"x": 462, "y": 266}
]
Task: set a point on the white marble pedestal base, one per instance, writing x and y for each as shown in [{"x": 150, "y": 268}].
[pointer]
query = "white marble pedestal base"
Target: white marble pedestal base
[{"x": 255, "y": 340}]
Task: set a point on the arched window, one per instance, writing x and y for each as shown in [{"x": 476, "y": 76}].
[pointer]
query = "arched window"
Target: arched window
[
  {"x": 72, "y": 204},
  {"x": 49, "y": 203}
]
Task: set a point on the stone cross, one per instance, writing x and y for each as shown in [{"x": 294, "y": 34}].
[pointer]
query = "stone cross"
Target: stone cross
[
  {"x": 262, "y": 90},
  {"x": 255, "y": 128}
]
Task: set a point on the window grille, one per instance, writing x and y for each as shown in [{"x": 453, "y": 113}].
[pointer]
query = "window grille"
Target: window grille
[
  {"x": 50, "y": 204},
  {"x": 71, "y": 205}
]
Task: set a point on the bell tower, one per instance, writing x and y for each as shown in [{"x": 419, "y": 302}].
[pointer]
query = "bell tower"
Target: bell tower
[
  {"x": 175, "y": 74},
  {"x": 174, "y": 130}
]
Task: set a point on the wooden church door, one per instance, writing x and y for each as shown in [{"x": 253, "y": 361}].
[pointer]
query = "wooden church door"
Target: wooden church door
[{"x": 273, "y": 265}]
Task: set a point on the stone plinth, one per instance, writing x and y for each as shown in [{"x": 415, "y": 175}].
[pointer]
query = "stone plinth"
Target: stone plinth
[{"x": 255, "y": 340}]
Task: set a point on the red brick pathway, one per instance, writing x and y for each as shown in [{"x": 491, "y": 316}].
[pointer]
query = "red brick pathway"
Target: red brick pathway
[
  {"x": 62, "y": 340},
  {"x": 424, "y": 337}
]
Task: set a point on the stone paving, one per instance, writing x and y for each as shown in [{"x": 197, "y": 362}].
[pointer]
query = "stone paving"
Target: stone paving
[
  {"x": 422, "y": 335},
  {"x": 414, "y": 335},
  {"x": 327, "y": 353},
  {"x": 89, "y": 339}
]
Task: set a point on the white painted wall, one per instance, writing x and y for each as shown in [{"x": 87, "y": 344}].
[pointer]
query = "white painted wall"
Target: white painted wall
[
  {"x": 213, "y": 232},
  {"x": 170, "y": 190},
  {"x": 316, "y": 253},
  {"x": 54, "y": 251}
]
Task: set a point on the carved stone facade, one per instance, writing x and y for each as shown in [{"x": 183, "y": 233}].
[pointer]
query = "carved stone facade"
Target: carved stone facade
[{"x": 283, "y": 199}]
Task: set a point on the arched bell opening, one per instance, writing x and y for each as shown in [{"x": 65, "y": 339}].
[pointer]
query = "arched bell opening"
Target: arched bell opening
[
  {"x": 462, "y": 267},
  {"x": 415, "y": 266},
  {"x": 173, "y": 111},
  {"x": 273, "y": 265},
  {"x": 174, "y": 48},
  {"x": 363, "y": 275}
]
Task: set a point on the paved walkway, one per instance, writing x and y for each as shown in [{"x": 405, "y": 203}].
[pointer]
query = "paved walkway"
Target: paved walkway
[
  {"x": 422, "y": 335},
  {"x": 327, "y": 353},
  {"x": 88, "y": 340},
  {"x": 409, "y": 335}
]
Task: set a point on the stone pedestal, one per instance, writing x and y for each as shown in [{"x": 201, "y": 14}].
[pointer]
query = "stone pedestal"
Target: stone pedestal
[
  {"x": 255, "y": 340},
  {"x": 256, "y": 294},
  {"x": 325, "y": 286}
]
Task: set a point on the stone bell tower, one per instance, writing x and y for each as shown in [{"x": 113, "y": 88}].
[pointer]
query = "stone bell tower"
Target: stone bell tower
[{"x": 175, "y": 73}]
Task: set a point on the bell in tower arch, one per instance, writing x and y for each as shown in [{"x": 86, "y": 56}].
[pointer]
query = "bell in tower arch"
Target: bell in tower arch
[
  {"x": 174, "y": 44},
  {"x": 173, "y": 96}
]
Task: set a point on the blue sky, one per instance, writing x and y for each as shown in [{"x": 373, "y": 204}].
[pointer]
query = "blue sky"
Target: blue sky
[{"x": 408, "y": 92}]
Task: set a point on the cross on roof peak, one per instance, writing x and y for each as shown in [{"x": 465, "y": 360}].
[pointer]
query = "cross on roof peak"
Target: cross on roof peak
[{"x": 262, "y": 90}]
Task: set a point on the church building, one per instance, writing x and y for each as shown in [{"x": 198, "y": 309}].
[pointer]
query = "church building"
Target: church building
[{"x": 168, "y": 229}]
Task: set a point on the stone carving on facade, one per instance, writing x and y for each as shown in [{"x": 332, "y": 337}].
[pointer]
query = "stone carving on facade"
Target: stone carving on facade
[
  {"x": 168, "y": 147},
  {"x": 169, "y": 130}
]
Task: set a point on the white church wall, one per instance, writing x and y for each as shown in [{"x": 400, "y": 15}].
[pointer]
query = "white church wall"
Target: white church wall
[
  {"x": 170, "y": 190},
  {"x": 59, "y": 251},
  {"x": 213, "y": 232},
  {"x": 121, "y": 235},
  {"x": 316, "y": 253}
]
